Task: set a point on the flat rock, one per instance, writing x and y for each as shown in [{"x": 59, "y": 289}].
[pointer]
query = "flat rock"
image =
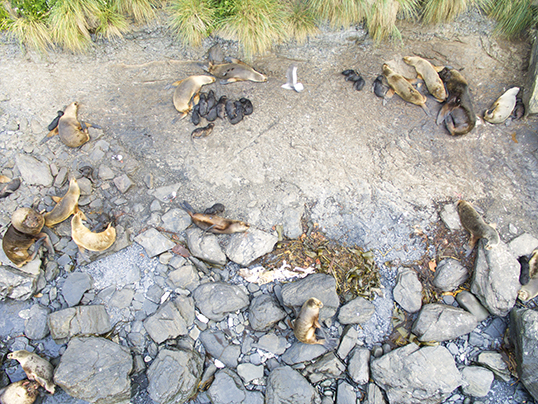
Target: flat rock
[
  {"x": 77, "y": 321},
  {"x": 154, "y": 242},
  {"x": 449, "y": 216},
  {"x": 218, "y": 346},
  {"x": 358, "y": 365},
  {"x": 523, "y": 245},
  {"x": 291, "y": 222},
  {"x": 171, "y": 320},
  {"x": 243, "y": 248},
  {"x": 217, "y": 299},
  {"x": 285, "y": 385},
  {"x": 375, "y": 395},
  {"x": 33, "y": 171},
  {"x": 265, "y": 312},
  {"x": 272, "y": 343},
  {"x": 36, "y": 327},
  {"x": 185, "y": 277},
  {"x": 494, "y": 362},
  {"x": 106, "y": 173},
  {"x": 348, "y": 341},
  {"x": 440, "y": 322},
  {"x": 249, "y": 372},
  {"x": 74, "y": 287},
  {"x": 357, "y": 311},
  {"x": 469, "y": 302},
  {"x": 16, "y": 285},
  {"x": 408, "y": 290},
  {"x": 345, "y": 394},
  {"x": 123, "y": 183},
  {"x": 524, "y": 336},
  {"x": 175, "y": 220},
  {"x": 449, "y": 275},
  {"x": 165, "y": 193},
  {"x": 300, "y": 352},
  {"x": 205, "y": 246},
  {"x": 326, "y": 367},
  {"x": 478, "y": 380},
  {"x": 227, "y": 388}
]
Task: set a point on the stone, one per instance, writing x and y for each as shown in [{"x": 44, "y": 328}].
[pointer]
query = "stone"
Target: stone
[
  {"x": 227, "y": 388},
  {"x": 123, "y": 183},
  {"x": 469, "y": 302},
  {"x": 300, "y": 352},
  {"x": 450, "y": 217},
  {"x": 291, "y": 222},
  {"x": 357, "y": 311},
  {"x": 326, "y": 367},
  {"x": 106, "y": 173},
  {"x": 77, "y": 321},
  {"x": 219, "y": 347},
  {"x": 171, "y": 320},
  {"x": 478, "y": 380},
  {"x": 154, "y": 242},
  {"x": 345, "y": 394},
  {"x": 185, "y": 277},
  {"x": 523, "y": 245},
  {"x": 375, "y": 395},
  {"x": 74, "y": 287},
  {"x": 524, "y": 336},
  {"x": 440, "y": 322},
  {"x": 449, "y": 275},
  {"x": 348, "y": 341},
  {"x": 35, "y": 327},
  {"x": 16, "y": 285},
  {"x": 166, "y": 193},
  {"x": 174, "y": 375},
  {"x": 205, "y": 246},
  {"x": 408, "y": 290},
  {"x": 285, "y": 385},
  {"x": 85, "y": 186},
  {"x": 249, "y": 372},
  {"x": 243, "y": 248},
  {"x": 60, "y": 178},
  {"x": 265, "y": 312},
  {"x": 272, "y": 343},
  {"x": 33, "y": 171},
  {"x": 176, "y": 220},
  {"x": 96, "y": 370},
  {"x": 121, "y": 299},
  {"x": 358, "y": 365},
  {"x": 217, "y": 299},
  {"x": 494, "y": 362}
]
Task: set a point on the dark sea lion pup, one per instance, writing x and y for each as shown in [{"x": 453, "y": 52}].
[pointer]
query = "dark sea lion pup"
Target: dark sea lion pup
[
  {"x": 457, "y": 113},
  {"x": 213, "y": 223}
]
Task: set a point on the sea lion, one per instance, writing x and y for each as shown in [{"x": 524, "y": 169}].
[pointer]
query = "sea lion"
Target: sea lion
[
  {"x": 404, "y": 89},
  {"x": 21, "y": 392},
  {"x": 202, "y": 132},
  {"x": 186, "y": 92},
  {"x": 202, "y": 104},
  {"x": 503, "y": 107},
  {"x": 215, "y": 54},
  {"x": 73, "y": 133},
  {"x": 36, "y": 368},
  {"x": 65, "y": 206},
  {"x": 519, "y": 109},
  {"x": 379, "y": 88},
  {"x": 248, "y": 108},
  {"x": 533, "y": 264},
  {"x": 474, "y": 224},
  {"x": 528, "y": 291},
  {"x": 195, "y": 116},
  {"x": 307, "y": 321},
  {"x": 213, "y": 223},
  {"x": 457, "y": 113},
  {"x": 221, "y": 107},
  {"x": 55, "y": 121},
  {"x": 234, "y": 111},
  {"x": 428, "y": 73},
  {"x": 24, "y": 231},
  {"x": 11, "y": 186},
  {"x": 86, "y": 239},
  {"x": 213, "y": 114},
  {"x": 235, "y": 70},
  {"x": 216, "y": 209}
]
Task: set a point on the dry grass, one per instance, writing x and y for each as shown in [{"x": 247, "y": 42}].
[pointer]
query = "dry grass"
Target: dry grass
[
  {"x": 513, "y": 16},
  {"x": 301, "y": 21},
  {"x": 112, "y": 24},
  {"x": 191, "y": 20},
  {"x": 340, "y": 13},
  {"x": 27, "y": 25},
  {"x": 440, "y": 11},
  {"x": 382, "y": 15},
  {"x": 140, "y": 10}
]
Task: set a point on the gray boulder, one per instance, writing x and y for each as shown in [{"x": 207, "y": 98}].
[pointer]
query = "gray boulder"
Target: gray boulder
[
  {"x": 524, "y": 335},
  {"x": 81, "y": 320},
  {"x": 216, "y": 299},
  {"x": 449, "y": 275},
  {"x": 440, "y": 322},
  {"x": 243, "y": 248},
  {"x": 410, "y": 375},
  {"x": 272, "y": 343},
  {"x": 408, "y": 290},
  {"x": 171, "y": 320},
  {"x": 300, "y": 352},
  {"x": 95, "y": 370},
  {"x": 449, "y": 216},
  {"x": 264, "y": 312},
  {"x": 17, "y": 285},
  {"x": 478, "y": 380},
  {"x": 326, "y": 367},
  {"x": 358, "y": 365},
  {"x": 227, "y": 388},
  {"x": 345, "y": 394},
  {"x": 375, "y": 395},
  {"x": 494, "y": 362},
  {"x": 154, "y": 242},
  {"x": 33, "y": 171},
  {"x": 176, "y": 220},
  {"x": 348, "y": 341},
  {"x": 291, "y": 222},
  {"x": 74, "y": 287},
  {"x": 205, "y": 246},
  {"x": 357, "y": 311},
  {"x": 185, "y": 277},
  {"x": 469, "y": 302},
  {"x": 285, "y": 385},
  {"x": 218, "y": 346},
  {"x": 36, "y": 327},
  {"x": 174, "y": 375},
  {"x": 523, "y": 245}
]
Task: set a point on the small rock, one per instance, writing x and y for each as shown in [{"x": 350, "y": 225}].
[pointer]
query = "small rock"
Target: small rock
[
  {"x": 469, "y": 302},
  {"x": 272, "y": 343},
  {"x": 227, "y": 388},
  {"x": 449, "y": 275},
  {"x": 123, "y": 183},
  {"x": 345, "y": 394},
  {"x": 205, "y": 246},
  {"x": 243, "y": 248},
  {"x": 185, "y": 277},
  {"x": 478, "y": 379},
  {"x": 300, "y": 352},
  {"x": 523, "y": 245},
  {"x": 450, "y": 217},
  {"x": 357, "y": 311},
  {"x": 154, "y": 242},
  {"x": 35, "y": 327},
  {"x": 494, "y": 362},
  {"x": 408, "y": 290},
  {"x": 85, "y": 186},
  {"x": 77, "y": 321},
  {"x": 105, "y": 173},
  {"x": 358, "y": 365},
  {"x": 249, "y": 372},
  {"x": 217, "y": 299},
  {"x": 74, "y": 287},
  {"x": 285, "y": 385},
  {"x": 291, "y": 222},
  {"x": 265, "y": 312},
  {"x": 171, "y": 320},
  {"x": 326, "y": 367},
  {"x": 439, "y": 322},
  {"x": 348, "y": 341},
  {"x": 176, "y": 220},
  {"x": 219, "y": 347},
  {"x": 34, "y": 172}
]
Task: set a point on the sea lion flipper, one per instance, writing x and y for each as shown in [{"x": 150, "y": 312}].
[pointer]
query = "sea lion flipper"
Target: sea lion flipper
[
  {"x": 56, "y": 198},
  {"x": 186, "y": 207},
  {"x": 228, "y": 81},
  {"x": 51, "y": 134},
  {"x": 390, "y": 94},
  {"x": 443, "y": 112},
  {"x": 425, "y": 109},
  {"x": 177, "y": 83}
]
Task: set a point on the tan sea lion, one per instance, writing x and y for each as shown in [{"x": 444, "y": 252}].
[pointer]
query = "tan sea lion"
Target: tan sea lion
[
  {"x": 530, "y": 289},
  {"x": 404, "y": 89},
  {"x": 235, "y": 70},
  {"x": 215, "y": 224},
  {"x": 457, "y": 113},
  {"x": 24, "y": 231},
  {"x": 474, "y": 224},
  {"x": 73, "y": 133},
  {"x": 86, "y": 239},
  {"x": 427, "y": 72},
  {"x": 186, "y": 92},
  {"x": 503, "y": 107},
  {"x": 65, "y": 206},
  {"x": 533, "y": 264},
  {"x": 21, "y": 392},
  {"x": 36, "y": 368},
  {"x": 307, "y": 321}
]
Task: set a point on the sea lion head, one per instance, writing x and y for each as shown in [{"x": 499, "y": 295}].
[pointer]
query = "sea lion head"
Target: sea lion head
[
  {"x": 17, "y": 355},
  {"x": 314, "y": 303},
  {"x": 238, "y": 227},
  {"x": 386, "y": 69},
  {"x": 28, "y": 221},
  {"x": 71, "y": 110}
]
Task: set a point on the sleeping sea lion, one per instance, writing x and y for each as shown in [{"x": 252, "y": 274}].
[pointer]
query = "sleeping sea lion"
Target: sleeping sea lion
[
  {"x": 195, "y": 116},
  {"x": 24, "y": 231},
  {"x": 73, "y": 133},
  {"x": 428, "y": 73},
  {"x": 213, "y": 223},
  {"x": 11, "y": 186},
  {"x": 86, "y": 239},
  {"x": 457, "y": 113},
  {"x": 379, "y": 88},
  {"x": 307, "y": 321},
  {"x": 202, "y": 132},
  {"x": 235, "y": 70},
  {"x": 404, "y": 89},
  {"x": 216, "y": 209},
  {"x": 65, "y": 206},
  {"x": 503, "y": 107},
  {"x": 36, "y": 368},
  {"x": 234, "y": 111},
  {"x": 186, "y": 92},
  {"x": 474, "y": 224},
  {"x": 21, "y": 392},
  {"x": 519, "y": 109},
  {"x": 221, "y": 107},
  {"x": 528, "y": 291}
]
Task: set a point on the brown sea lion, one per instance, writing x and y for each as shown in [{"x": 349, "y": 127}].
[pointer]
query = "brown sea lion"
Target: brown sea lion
[
  {"x": 427, "y": 72},
  {"x": 186, "y": 92},
  {"x": 11, "y": 186},
  {"x": 36, "y": 368},
  {"x": 24, "y": 231},
  {"x": 457, "y": 113},
  {"x": 502, "y": 108},
  {"x": 21, "y": 392},
  {"x": 65, "y": 206},
  {"x": 73, "y": 133},
  {"x": 235, "y": 70},
  {"x": 86, "y": 239},
  {"x": 404, "y": 89},
  {"x": 307, "y": 321},
  {"x": 474, "y": 224},
  {"x": 202, "y": 132},
  {"x": 215, "y": 224}
]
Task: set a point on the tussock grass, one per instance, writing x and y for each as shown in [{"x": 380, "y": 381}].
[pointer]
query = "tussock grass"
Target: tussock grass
[
  {"x": 440, "y": 11},
  {"x": 302, "y": 21},
  {"x": 140, "y": 10},
  {"x": 340, "y": 13},
  {"x": 112, "y": 24},
  {"x": 513, "y": 16},
  {"x": 382, "y": 15},
  {"x": 191, "y": 20},
  {"x": 27, "y": 23}
]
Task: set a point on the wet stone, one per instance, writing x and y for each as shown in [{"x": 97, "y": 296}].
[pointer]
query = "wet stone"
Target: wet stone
[
  {"x": 358, "y": 365},
  {"x": 478, "y": 379},
  {"x": 74, "y": 287},
  {"x": 449, "y": 275},
  {"x": 81, "y": 320},
  {"x": 285, "y": 385},
  {"x": 265, "y": 312},
  {"x": 123, "y": 183},
  {"x": 35, "y": 327},
  {"x": 243, "y": 248},
  {"x": 217, "y": 299},
  {"x": 357, "y": 311},
  {"x": 220, "y": 348},
  {"x": 175, "y": 220},
  {"x": 205, "y": 246},
  {"x": 408, "y": 290},
  {"x": 34, "y": 172},
  {"x": 154, "y": 242},
  {"x": 440, "y": 322}
]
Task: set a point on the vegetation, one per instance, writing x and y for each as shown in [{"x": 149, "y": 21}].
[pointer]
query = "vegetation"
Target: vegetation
[{"x": 255, "y": 24}]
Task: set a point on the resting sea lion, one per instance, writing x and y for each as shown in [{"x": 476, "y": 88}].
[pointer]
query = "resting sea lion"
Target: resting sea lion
[
  {"x": 457, "y": 113},
  {"x": 65, "y": 206},
  {"x": 234, "y": 111},
  {"x": 10, "y": 187},
  {"x": 24, "y": 231},
  {"x": 36, "y": 368},
  {"x": 73, "y": 133},
  {"x": 533, "y": 264},
  {"x": 195, "y": 116},
  {"x": 428, "y": 73},
  {"x": 404, "y": 89},
  {"x": 215, "y": 224},
  {"x": 235, "y": 70},
  {"x": 202, "y": 132},
  {"x": 21, "y": 392},
  {"x": 248, "y": 108},
  {"x": 213, "y": 114},
  {"x": 186, "y": 92},
  {"x": 307, "y": 321},
  {"x": 216, "y": 209},
  {"x": 519, "y": 109},
  {"x": 503, "y": 107},
  {"x": 474, "y": 224},
  {"x": 221, "y": 107},
  {"x": 528, "y": 291},
  {"x": 379, "y": 88},
  {"x": 86, "y": 239}
]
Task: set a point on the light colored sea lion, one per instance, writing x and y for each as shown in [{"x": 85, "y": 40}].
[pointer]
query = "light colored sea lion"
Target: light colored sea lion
[
  {"x": 457, "y": 112},
  {"x": 86, "y": 239},
  {"x": 533, "y": 264},
  {"x": 36, "y": 368},
  {"x": 21, "y": 392},
  {"x": 427, "y": 72},
  {"x": 186, "y": 92},
  {"x": 65, "y": 206},
  {"x": 11, "y": 186},
  {"x": 235, "y": 70},
  {"x": 73, "y": 133},
  {"x": 528, "y": 291},
  {"x": 213, "y": 223},
  {"x": 307, "y": 321},
  {"x": 404, "y": 89},
  {"x": 24, "y": 231},
  {"x": 474, "y": 224},
  {"x": 503, "y": 107}
]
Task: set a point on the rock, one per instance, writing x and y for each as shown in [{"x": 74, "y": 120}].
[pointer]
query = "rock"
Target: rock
[
  {"x": 300, "y": 352},
  {"x": 440, "y": 322},
  {"x": 272, "y": 343},
  {"x": 408, "y": 290},
  {"x": 326, "y": 367},
  {"x": 174, "y": 375},
  {"x": 449, "y": 275},
  {"x": 16, "y": 285},
  {"x": 285, "y": 385},
  {"x": 265, "y": 312},
  {"x": 496, "y": 279},
  {"x": 524, "y": 336},
  {"x": 121, "y": 299},
  {"x": 243, "y": 248},
  {"x": 217, "y": 299},
  {"x": 320, "y": 286},
  {"x": 185, "y": 277},
  {"x": 450, "y": 217},
  {"x": 357, "y": 311},
  {"x": 81, "y": 320},
  {"x": 347, "y": 342},
  {"x": 165, "y": 194},
  {"x": 123, "y": 183},
  {"x": 105, "y": 173},
  {"x": 227, "y": 388},
  {"x": 494, "y": 362},
  {"x": 74, "y": 287},
  {"x": 95, "y": 370},
  {"x": 478, "y": 379},
  {"x": 34, "y": 172},
  {"x": 85, "y": 186},
  {"x": 523, "y": 245},
  {"x": 531, "y": 97},
  {"x": 35, "y": 327},
  {"x": 375, "y": 395},
  {"x": 154, "y": 242},
  {"x": 416, "y": 376},
  {"x": 205, "y": 246},
  {"x": 469, "y": 302},
  {"x": 291, "y": 222},
  {"x": 218, "y": 347},
  {"x": 358, "y": 365},
  {"x": 176, "y": 220},
  {"x": 249, "y": 372},
  {"x": 345, "y": 394},
  {"x": 60, "y": 178},
  {"x": 171, "y": 320}
]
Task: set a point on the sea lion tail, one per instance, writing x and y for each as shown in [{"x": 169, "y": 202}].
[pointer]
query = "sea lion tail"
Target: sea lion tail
[
  {"x": 426, "y": 109},
  {"x": 187, "y": 207},
  {"x": 443, "y": 112},
  {"x": 205, "y": 67}
]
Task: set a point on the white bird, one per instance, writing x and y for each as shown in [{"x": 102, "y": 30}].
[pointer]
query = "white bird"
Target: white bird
[{"x": 292, "y": 83}]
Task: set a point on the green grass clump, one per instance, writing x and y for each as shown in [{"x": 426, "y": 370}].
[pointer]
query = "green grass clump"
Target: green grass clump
[
  {"x": 26, "y": 21},
  {"x": 513, "y": 16},
  {"x": 112, "y": 24},
  {"x": 382, "y": 14},
  {"x": 191, "y": 20},
  {"x": 440, "y": 11},
  {"x": 340, "y": 13},
  {"x": 301, "y": 20},
  {"x": 140, "y": 10}
]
